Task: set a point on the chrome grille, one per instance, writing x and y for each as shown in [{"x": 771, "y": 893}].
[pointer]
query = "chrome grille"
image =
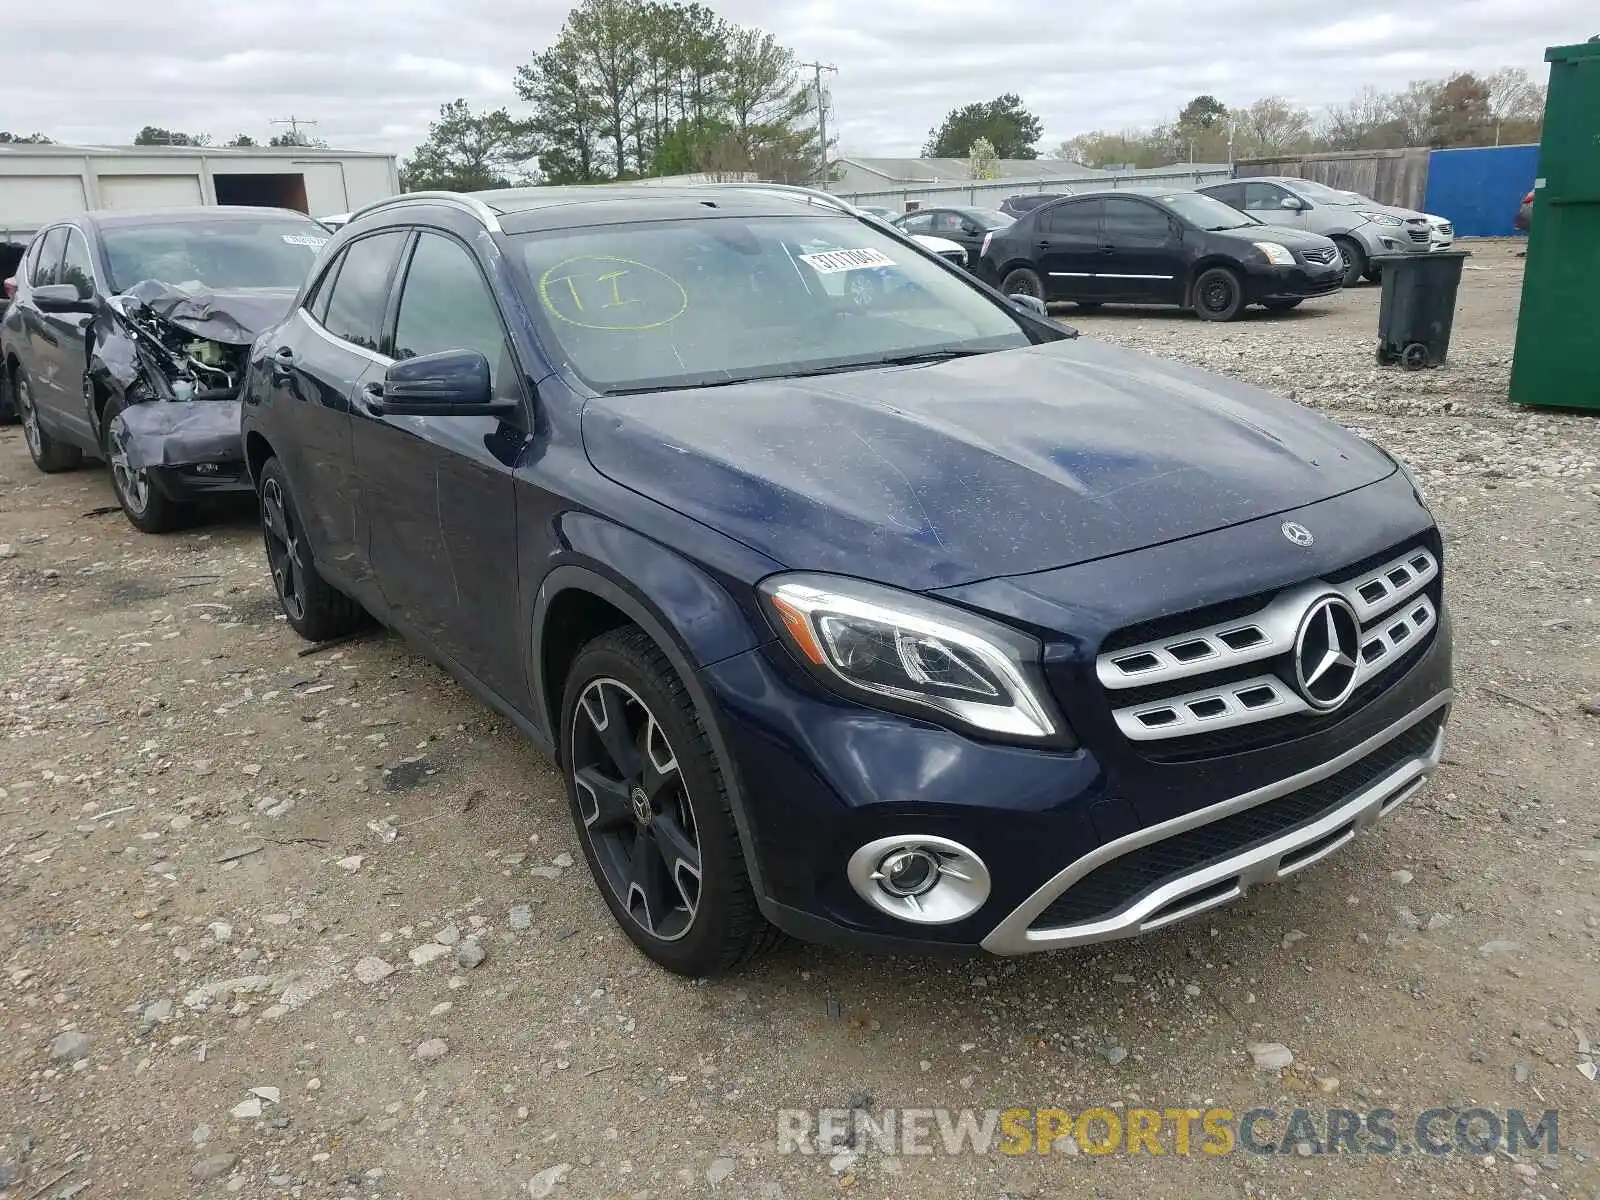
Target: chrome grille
[
  {"x": 1323, "y": 255},
  {"x": 1419, "y": 235},
  {"x": 1389, "y": 601},
  {"x": 1446, "y": 228}
]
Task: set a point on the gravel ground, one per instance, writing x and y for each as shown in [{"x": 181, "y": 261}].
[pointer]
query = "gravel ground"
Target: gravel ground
[{"x": 287, "y": 925}]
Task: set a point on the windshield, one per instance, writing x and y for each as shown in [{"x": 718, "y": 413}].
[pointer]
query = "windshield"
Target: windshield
[
  {"x": 1317, "y": 193},
  {"x": 1206, "y": 212},
  {"x": 274, "y": 252},
  {"x": 717, "y": 300},
  {"x": 987, "y": 217}
]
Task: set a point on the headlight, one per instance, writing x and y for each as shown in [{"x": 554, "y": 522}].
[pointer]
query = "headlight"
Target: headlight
[
  {"x": 1277, "y": 255},
  {"x": 902, "y": 651},
  {"x": 1382, "y": 219}
]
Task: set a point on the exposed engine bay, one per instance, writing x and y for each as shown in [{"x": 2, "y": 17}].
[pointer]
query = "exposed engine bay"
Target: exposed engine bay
[{"x": 177, "y": 357}]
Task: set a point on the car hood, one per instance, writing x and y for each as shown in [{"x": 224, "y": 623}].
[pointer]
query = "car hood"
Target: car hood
[
  {"x": 1284, "y": 235},
  {"x": 233, "y": 316},
  {"x": 999, "y": 464}
]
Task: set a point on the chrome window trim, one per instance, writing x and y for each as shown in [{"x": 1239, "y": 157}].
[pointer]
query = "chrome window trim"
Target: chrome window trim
[
  {"x": 1012, "y": 935},
  {"x": 311, "y": 324}
]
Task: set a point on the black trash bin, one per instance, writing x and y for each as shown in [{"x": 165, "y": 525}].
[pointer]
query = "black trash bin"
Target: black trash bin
[{"x": 1418, "y": 306}]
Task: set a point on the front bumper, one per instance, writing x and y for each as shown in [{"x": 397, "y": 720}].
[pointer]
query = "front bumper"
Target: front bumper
[
  {"x": 1106, "y": 840},
  {"x": 1299, "y": 282},
  {"x": 197, "y": 481},
  {"x": 1209, "y": 881}
]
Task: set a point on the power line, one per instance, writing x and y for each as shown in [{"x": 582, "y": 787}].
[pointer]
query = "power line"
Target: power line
[{"x": 817, "y": 68}]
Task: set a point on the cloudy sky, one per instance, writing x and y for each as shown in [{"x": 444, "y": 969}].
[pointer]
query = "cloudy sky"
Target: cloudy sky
[{"x": 373, "y": 76}]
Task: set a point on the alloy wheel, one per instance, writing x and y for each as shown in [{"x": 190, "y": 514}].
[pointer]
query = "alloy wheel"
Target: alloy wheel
[
  {"x": 285, "y": 550},
  {"x": 132, "y": 483},
  {"x": 636, "y": 809},
  {"x": 30, "y": 418},
  {"x": 1022, "y": 283}
]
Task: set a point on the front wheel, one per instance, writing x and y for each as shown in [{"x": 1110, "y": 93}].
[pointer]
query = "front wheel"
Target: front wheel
[
  {"x": 147, "y": 508},
  {"x": 315, "y": 609},
  {"x": 1218, "y": 295},
  {"x": 652, "y": 811},
  {"x": 1354, "y": 259}
]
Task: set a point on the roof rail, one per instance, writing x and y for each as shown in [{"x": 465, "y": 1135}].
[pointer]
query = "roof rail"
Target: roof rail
[
  {"x": 471, "y": 204},
  {"x": 794, "y": 189}
]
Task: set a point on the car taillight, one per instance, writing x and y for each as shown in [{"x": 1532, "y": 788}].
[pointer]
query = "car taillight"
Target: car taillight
[{"x": 10, "y": 287}]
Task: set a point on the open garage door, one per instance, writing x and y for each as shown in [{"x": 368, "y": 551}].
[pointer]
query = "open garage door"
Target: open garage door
[{"x": 262, "y": 191}]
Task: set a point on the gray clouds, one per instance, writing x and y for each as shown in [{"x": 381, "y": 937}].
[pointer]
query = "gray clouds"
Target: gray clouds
[{"x": 373, "y": 77}]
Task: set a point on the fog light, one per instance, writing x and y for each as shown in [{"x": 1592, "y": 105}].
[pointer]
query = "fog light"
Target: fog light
[{"x": 928, "y": 880}]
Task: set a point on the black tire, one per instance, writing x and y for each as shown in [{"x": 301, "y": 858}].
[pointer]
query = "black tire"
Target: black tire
[
  {"x": 1023, "y": 281},
  {"x": 315, "y": 609},
  {"x": 147, "y": 507},
  {"x": 647, "y": 796},
  {"x": 1218, "y": 294},
  {"x": 8, "y": 405},
  {"x": 1355, "y": 260},
  {"x": 1282, "y": 305},
  {"x": 49, "y": 455}
]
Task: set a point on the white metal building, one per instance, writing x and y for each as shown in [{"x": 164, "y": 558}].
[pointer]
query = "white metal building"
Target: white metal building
[{"x": 41, "y": 183}]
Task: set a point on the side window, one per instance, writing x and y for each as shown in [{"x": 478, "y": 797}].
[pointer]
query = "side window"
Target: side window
[
  {"x": 1262, "y": 197},
  {"x": 317, "y": 302},
  {"x": 946, "y": 222},
  {"x": 921, "y": 223},
  {"x": 47, "y": 264},
  {"x": 361, "y": 292},
  {"x": 1079, "y": 221},
  {"x": 76, "y": 267},
  {"x": 1231, "y": 194},
  {"x": 1134, "y": 223},
  {"x": 445, "y": 304}
]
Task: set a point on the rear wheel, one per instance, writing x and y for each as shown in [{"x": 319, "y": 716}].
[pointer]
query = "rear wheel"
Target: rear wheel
[
  {"x": 652, "y": 812},
  {"x": 49, "y": 455},
  {"x": 1218, "y": 294},
  {"x": 315, "y": 609},
  {"x": 147, "y": 508},
  {"x": 1023, "y": 281}
]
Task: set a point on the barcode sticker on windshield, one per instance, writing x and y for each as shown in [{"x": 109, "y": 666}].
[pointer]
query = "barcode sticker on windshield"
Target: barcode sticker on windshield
[
  {"x": 830, "y": 262},
  {"x": 305, "y": 239}
]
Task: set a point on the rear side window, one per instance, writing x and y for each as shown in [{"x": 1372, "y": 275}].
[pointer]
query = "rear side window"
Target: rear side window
[
  {"x": 317, "y": 302},
  {"x": 47, "y": 265},
  {"x": 1262, "y": 197},
  {"x": 361, "y": 291},
  {"x": 1231, "y": 194},
  {"x": 1133, "y": 223},
  {"x": 446, "y": 305},
  {"x": 1080, "y": 220}
]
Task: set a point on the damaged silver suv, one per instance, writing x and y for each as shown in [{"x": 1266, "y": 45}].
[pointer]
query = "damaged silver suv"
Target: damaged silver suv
[{"x": 126, "y": 341}]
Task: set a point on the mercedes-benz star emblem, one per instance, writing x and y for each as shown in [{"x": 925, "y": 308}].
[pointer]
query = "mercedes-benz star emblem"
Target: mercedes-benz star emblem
[
  {"x": 1297, "y": 533},
  {"x": 1326, "y": 651},
  {"x": 641, "y": 806}
]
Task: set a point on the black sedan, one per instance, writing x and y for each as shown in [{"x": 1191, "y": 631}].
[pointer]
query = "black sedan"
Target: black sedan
[
  {"x": 965, "y": 227},
  {"x": 1151, "y": 247}
]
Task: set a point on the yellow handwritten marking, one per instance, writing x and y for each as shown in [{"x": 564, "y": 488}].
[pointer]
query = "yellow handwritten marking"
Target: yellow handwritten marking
[{"x": 611, "y": 269}]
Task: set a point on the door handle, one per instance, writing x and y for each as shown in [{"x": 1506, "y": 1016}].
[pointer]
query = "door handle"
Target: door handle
[
  {"x": 282, "y": 363},
  {"x": 1044, "y": 245},
  {"x": 369, "y": 398}
]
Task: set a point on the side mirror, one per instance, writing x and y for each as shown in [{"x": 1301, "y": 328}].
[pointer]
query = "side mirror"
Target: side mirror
[
  {"x": 452, "y": 383},
  {"x": 1291, "y": 203},
  {"x": 1030, "y": 304},
  {"x": 61, "y": 298}
]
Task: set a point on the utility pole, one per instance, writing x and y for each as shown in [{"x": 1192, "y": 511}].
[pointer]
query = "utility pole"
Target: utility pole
[
  {"x": 294, "y": 123},
  {"x": 817, "y": 69}
]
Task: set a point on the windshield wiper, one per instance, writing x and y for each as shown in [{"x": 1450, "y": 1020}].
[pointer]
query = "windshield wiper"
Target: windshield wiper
[{"x": 893, "y": 360}]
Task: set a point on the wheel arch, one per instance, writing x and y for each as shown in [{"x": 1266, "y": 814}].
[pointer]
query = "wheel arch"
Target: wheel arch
[
  {"x": 1201, "y": 266},
  {"x": 257, "y": 450},
  {"x": 577, "y": 602}
]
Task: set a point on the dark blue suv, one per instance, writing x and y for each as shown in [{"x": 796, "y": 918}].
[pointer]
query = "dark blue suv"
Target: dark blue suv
[{"x": 924, "y": 625}]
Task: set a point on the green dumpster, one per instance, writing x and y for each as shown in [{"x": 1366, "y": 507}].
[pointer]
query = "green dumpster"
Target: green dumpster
[{"x": 1558, "y": 330}]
